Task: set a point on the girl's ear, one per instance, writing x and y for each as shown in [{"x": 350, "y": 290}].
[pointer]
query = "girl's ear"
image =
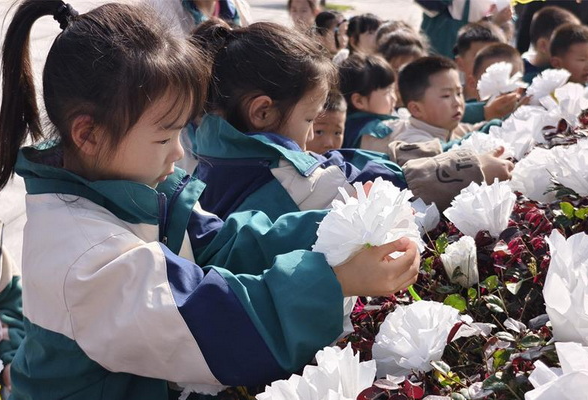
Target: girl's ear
[
  {"x": 83, "y": 135},
  {"x": 359, "y": 102},
  {"x": 261, "y": 113}
]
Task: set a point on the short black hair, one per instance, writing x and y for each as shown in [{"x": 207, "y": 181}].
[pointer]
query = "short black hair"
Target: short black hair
[
  {"x": 390, "y": 27},
  {"x": 413, "y": 79},
  {"x": 401, "y": 43},
  {"x": 546, "y": 20},
  {"x": 497, "y": 50},
  {"x": 565, "y": 36},
  {"x": 363, "y": 74},
  {"x": 361, "y": 24},
  {"x": 325, "y": 21},
  {"x": 483, "y": 31},
  {"x": 335, "y": 102}
]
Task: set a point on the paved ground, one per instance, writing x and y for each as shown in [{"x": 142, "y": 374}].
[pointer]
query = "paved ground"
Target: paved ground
[{"x": 12, "y": 209}]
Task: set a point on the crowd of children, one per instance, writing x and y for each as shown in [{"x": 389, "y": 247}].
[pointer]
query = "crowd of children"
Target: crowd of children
[{"x": 137, "y": 274}]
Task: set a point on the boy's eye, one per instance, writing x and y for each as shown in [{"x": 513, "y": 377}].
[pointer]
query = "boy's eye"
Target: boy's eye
[
  {"x": 164, "y": 141},
  {"x": 318, "y": 133},
  {"x": 338, "y": 133}
]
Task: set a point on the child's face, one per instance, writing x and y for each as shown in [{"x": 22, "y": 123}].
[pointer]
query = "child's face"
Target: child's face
[
  {"x": 465, "y": 61},
  {"x": 328, "y": 132},
  {"x": 337, "y": 35},
  {"x": 366, "y": 43},
  {"x": 443, "y": 104},
  {"x": 298, "y": 126},
  {"x": 302, "y": 14},
  {"x": 149, "y": 150},
  {"x": 382, "y": 101},
  {"x": 574, "y": 60}
]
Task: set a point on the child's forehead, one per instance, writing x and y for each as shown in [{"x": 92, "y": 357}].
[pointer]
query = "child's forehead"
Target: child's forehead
[
  {"x": 445, "y": 78},
  {"x": 578, "y": 48}
]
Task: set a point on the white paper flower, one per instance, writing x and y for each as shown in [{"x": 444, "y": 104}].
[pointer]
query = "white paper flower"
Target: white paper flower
[
  {"x": 188, "y": 388},
  {"x": 482, "y": 207},
  {"x": 566, "y": 287},
  {"x": 382, "y": 216},
  {"x": 413, "y": 336},
  {"x": 338, "y": 376},
  {"x": 481, "y": 143},
  {"x": 567, "y": 103},
  {"x": 426, "y": 216},
  {"x": 568, "y": 383},
  {"x": 532, "y": 176},
  {"x": 571, "y": 166},
  {"x": 462, "y": 255},
  {"x": 545, "y": 84},
  {"x": 496, "y": 80}
]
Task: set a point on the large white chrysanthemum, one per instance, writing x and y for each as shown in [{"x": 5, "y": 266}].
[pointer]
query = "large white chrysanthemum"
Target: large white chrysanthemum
[
  {"x": 571, "y": 166},
  {"x": 382, "y": 216},
  {"x": 570, "y": 382},
  {"x": 413, "y": 336},
  {"x": 338, "y": 376},
  {"x": 481, "y": 143},
  {"x": 462, "y": 255},
  {"x": 497, "y": 80},
  {"x": 545, "y": 84},
  {"x": 566, "y": 287},
  {"x": 532, "y": 176},
  {"x": 482, "y": 207}
]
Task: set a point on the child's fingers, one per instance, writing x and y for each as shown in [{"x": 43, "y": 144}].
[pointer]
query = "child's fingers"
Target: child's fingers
[{"x": 402, "y": 244}]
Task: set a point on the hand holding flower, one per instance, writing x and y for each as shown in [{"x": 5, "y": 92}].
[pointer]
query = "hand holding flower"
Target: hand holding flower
[{"x": 373, "y": 273}]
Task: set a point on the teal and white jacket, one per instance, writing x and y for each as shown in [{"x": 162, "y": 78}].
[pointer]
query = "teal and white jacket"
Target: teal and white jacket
[
  {"x": 270, "y": 173},
  {"x": 126, "y": 287}
]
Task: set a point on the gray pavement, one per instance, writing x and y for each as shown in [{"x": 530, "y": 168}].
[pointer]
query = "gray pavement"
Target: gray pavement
[{"x": 12, "y": 207}]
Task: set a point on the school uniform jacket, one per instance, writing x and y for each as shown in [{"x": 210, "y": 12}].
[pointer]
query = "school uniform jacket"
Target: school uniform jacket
[
  {"x": 269, "y": 172},
  {"x": 126, "y": 287}
]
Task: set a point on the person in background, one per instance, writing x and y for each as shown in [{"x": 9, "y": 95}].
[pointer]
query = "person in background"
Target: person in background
[
  {"x": 502, "y": 106},
  {"x": 402, "y": 47},
  {"x": 569, "y": 50},
  {"x": 303, "y": 13},
  {"x": 329, "y": 126},
  {"x": 472, "y": 38},
  {"x": 184, "y": 15},
  {"x": 362, "y": 33},
  {"x": 544, "y": 23},
  {"x": 331, "y": 30}
]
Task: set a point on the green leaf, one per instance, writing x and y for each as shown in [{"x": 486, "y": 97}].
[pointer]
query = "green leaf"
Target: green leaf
[
  {"x": 428, "y": 264},
  {"x": 567, "y": 208},
  {"x": 494, "y": 303},
  {"x": 441, "y": 243},
  {"x": 472, "y": 293},
  {"x": 581, "y": 213},
  {"x": 490, "y": 283},
  {"x": 501, "y": 357},
  {"x": 494, "y": 382},
  {"x": 531, "y": 341},
  {"x": 456, "y": 301},
  {"x": 514, "y": 287}
]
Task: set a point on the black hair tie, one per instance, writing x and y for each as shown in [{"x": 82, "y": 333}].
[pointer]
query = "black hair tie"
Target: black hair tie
[{"x": 63, "y": 14}]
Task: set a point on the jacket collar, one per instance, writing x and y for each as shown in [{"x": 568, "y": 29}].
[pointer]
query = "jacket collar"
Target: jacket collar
[
  {"x": 217, "y": 138},
  {"x": 130, "y": 201}
]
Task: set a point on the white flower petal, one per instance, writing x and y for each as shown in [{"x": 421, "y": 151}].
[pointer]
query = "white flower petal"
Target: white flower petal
[
  {"x": 482, "y": 207},
  {"x": 497, "y": 80},
  {"x": 462, "y": 255},
  {"x": 545, "y": 84}
]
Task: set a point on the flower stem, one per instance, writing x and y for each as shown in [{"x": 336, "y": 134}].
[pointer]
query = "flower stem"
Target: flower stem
[{"x": 413, "y": 293}]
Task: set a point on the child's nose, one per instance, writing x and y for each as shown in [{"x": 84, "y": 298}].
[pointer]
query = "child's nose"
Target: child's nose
[{"x": 178, "y": 150}]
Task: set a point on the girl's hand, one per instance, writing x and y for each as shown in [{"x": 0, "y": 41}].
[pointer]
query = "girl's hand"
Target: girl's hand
[
  {"x": 373, "y": 273},
  {"x": 495, "y": 167}
]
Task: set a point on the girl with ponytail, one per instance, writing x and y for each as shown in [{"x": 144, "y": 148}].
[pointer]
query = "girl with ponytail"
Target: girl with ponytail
[{"x": 127, "y": 283}]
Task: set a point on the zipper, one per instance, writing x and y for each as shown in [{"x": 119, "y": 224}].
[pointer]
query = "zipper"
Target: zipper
[
  {"x": 162, "y": 199},
  {"x": 165, "y": 208}
]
